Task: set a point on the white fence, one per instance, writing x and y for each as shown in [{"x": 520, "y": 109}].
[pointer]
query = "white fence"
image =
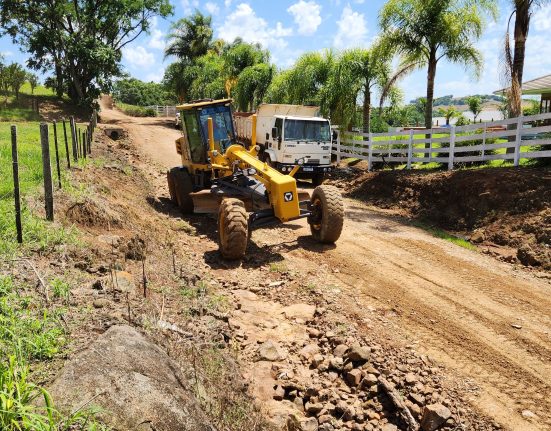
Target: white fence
[
  {"x": 530, "y": 137},
  {"x": 164, "y": 111}
]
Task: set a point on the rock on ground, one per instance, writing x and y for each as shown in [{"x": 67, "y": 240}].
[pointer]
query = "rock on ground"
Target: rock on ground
[
  {"x": 434, "y": 415},
  {"x": 133, "y": 381}
]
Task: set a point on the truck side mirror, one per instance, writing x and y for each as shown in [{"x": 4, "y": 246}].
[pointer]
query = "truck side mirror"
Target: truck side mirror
[
  {"x": 267, "y": 136},
  {"x": 274, "y": 133}
]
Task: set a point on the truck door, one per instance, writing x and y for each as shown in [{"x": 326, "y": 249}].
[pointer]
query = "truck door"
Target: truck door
[{"x": 276, "y": 140}]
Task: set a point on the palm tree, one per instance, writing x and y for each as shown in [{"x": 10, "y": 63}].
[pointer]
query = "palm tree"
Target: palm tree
[
  {"x": 237, "y": 57},
  {"x": 357, "y": 72},
  {"x": 514, "y": 58},
  {"x": 190, "y": 37},
  {"x": 308, "y": 76},
  {"x": 252, "y": 84},
  {"x": 449, "y": 113},
  {"x": 423, "y": 32},
  {"x": 475, "y": 106}
]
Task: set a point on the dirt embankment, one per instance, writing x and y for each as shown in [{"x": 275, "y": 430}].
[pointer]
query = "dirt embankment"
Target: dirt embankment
[{"x": 506, "y": 211}]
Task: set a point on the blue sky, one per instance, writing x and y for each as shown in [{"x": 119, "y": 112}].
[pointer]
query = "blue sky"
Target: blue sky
[{"x": 291, "y": 27}]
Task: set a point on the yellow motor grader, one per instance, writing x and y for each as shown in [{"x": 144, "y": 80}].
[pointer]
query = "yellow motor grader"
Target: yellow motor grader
[{"x": 252, "y": 194}]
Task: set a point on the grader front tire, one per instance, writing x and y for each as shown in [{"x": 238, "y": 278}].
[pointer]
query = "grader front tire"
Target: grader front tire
[
  {"x": 233, "y": 231},
  {"x": 327, "y": 217}
]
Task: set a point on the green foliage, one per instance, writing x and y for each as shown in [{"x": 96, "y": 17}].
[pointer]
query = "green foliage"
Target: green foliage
[
  {"x": 190, "y": 38},
  {"x": 252, "y": 84},
  {"x": 532, "y": 109},
  {"x": 136, "y": 111},
  {"x": 135, "y": 92},
  {"x": 79, "y": 42},
  {"x": 475, "y": 106},
  {"x": 462, "y": 120},
  {"x": 449, "y": 113},
  {"x": 424, "y": 32},
  {"x": 439, "y": 233}
]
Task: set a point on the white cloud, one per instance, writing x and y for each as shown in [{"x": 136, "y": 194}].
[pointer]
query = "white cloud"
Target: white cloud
[
  {"x": 244, "y": 23},
  {"x": 138, "y": 56},
  {"x": 352, "y": 29},
  {"x": 189, "y": 6},
  {"x": 6, "y": 53},
  {"x": 227, "y": 3},
  {"x": 542, "y": 18},
  {"x": 155, "y": 76},
  {"x": 157, "y": 40},
  {"x": 306, "y": 15},
  {"x": 212, "y": 8}
]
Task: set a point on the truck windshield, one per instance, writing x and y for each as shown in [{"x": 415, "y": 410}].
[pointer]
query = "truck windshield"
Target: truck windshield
[{"x": 306, "y": 130}]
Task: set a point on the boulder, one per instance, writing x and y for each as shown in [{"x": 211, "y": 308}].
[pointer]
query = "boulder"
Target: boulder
[
  {"x": 133, "y": 381},
  {"x": 297, "y": 422},
  {"x": 434, "y": 415},
  {"x": 269, "y": 351},
  {"x": 358, "y": 353}
]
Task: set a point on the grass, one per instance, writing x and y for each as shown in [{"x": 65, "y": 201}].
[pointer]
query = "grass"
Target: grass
[
  {"x": 37, "y": 233},
  {"x": 20, "y": 110},
  {"x": 29, "y": 333},
  {"x": 136, "y": 111},
  {"x": 439, "y": 233}
]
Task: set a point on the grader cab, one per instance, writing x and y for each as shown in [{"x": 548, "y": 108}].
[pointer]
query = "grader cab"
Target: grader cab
[{"x": 252, "y": 193}]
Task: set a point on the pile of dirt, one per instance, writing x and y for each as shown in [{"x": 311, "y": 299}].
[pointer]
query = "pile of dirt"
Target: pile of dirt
[
  {"x": 506, "y": 209},
  {"x": 92, "y": 212}
]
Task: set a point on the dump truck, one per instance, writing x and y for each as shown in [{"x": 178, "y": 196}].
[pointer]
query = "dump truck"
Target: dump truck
[
  {"x": 287, "y": 133},
  {"x": 251, "y": 193}
]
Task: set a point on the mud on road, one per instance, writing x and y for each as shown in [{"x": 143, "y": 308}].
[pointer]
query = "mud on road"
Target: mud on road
[{"x": 485, "y": 322}]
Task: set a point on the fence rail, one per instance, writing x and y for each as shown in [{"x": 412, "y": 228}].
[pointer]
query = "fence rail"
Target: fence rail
[
  {"x": 163, "y": 111},
  {"x": 526, "y": 137}
]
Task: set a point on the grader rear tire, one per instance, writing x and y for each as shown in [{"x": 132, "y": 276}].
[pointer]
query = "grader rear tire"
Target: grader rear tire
[
  {"x": 182, "y": 187},
  {"x": 233, "y": 231},
  {"x": 327, "y": 216}
]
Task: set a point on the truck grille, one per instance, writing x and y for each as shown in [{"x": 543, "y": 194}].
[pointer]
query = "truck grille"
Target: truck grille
[{"x": 313, "y": 161}]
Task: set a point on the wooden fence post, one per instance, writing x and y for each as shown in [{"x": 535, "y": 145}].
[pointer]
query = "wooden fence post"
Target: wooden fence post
[
  {"x": 370, "y": 152},
  {"x": 16, "y": 196},
  {"x": 74, "y": 138},
  {"x": 47, "y": 171},
  {"x": 66, "y": 144},
  {"x": 83, "y": 143},
  {"x": 57, "y": 155},
  {"x": 451, "y": 148},
  {"x": 410, "y": 148},
  {"x": 518, "y": 140}
]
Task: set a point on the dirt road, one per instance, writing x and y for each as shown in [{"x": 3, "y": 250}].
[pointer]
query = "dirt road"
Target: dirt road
[{"x": 487, "y": 322}]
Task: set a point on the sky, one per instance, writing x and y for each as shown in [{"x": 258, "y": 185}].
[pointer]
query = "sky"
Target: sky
[{"x": 289, "y": 28}]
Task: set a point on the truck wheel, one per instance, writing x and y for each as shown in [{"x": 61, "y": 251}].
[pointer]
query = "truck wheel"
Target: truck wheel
[
  {"x": 327, "y": 215},
  {"x": 182, "y": 187},
  {"x": 317, "y": 179},
  {"x": 233, "y": 231}
]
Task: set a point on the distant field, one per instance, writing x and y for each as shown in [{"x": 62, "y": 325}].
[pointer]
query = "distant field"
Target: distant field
[{"x": 20, "y": 110}]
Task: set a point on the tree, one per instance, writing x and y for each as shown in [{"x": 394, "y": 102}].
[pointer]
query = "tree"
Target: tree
[
  {"x": 16, "y": 77},
  {"x": 514, "y": 58},
  {"x": 79, "y": 40},
  {"x": 449, "y": 113},
  {"x": 356, "y": 73},
  {"x": 475, "y": 106},
  {"x": 423, "y": 32},
  {"x": 252, "y": 84},
  {"x": 306, "y": 79},
  {"x": 237, "y": 57},
  {"x": 33, "y": 81},
  {"x": 190, "y": 37},
  {"x": 4, "y": 81}
]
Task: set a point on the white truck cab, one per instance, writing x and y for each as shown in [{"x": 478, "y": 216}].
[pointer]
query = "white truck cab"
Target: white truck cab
[{"x": 291, "y": 134}]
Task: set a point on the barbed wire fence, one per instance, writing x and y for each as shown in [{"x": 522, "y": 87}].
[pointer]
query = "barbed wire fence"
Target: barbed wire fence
[{"x": 76, "y": 141}]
